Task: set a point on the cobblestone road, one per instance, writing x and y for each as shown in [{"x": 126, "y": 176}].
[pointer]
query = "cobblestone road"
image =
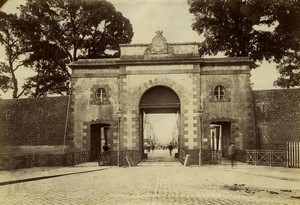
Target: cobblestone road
[{"x": 156, "y": 183}]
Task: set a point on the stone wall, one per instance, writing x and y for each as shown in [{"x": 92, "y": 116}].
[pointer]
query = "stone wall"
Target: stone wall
[
  {"x": 235, "y": 107},
  {"x": 277, "y": 114},
  {"x": 84, "y": 110},
  {"x": 33, "y": 124}
]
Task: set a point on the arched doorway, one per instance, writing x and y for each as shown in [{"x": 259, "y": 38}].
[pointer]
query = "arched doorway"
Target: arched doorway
[{"x": 160, "y": 103}]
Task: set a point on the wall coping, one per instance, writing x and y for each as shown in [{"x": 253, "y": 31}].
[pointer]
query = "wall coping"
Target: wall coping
[
  {"x": 33, "y": 99},
  {"x": 277, "y": 90},
  {"x": 147, "y": 44},
  {"x": 114, "y": 63}
]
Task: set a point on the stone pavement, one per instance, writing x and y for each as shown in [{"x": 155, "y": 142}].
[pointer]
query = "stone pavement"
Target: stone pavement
[
  {"x": 156, "y": 183},
  {"x": 160, "y": 155}
]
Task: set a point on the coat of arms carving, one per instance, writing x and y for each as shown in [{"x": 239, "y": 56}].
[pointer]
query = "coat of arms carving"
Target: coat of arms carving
[{"x": 159, "y": 45}]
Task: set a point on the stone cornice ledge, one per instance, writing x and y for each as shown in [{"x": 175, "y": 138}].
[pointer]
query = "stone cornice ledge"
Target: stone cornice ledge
[{"x": 157, "y": 60}]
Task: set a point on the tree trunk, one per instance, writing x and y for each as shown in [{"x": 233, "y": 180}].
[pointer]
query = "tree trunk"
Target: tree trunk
[
  {"x": 14, "y": 80},
  {"x": 75, "y": 54}
]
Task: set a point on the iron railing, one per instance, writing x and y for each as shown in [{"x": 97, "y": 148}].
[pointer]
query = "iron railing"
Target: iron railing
[
  {"x": 18, "y": 161},
  {"x": 207, "y": 157},
  {"x": 293, "y": 154},
  {"x": 106, "y": 158},
  {"x": 240, "y": 155},
  {"x": 266, "y": 157},
  {"x": 112, "y": 157},
  {"x": 211, "y": 156}
]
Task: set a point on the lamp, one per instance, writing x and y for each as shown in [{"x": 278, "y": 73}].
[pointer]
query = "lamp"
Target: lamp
[
  {"x": 119, "y": 115},
  {"x": 200, "y": 113}
]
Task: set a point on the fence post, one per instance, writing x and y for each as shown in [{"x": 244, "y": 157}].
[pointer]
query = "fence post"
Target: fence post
[
  {"x": 29, "y": 161},
  {"x": 50, "y": 160},
  {"x": 287, "y": 155},
  {"x": 298, "y": 153},
  {"x": 73, "y": 158},
  {"x": 64, "y": 159},
  {"x": 255, "y": 157},
  {"x": 270, "y": 157},
  {"x": 99, "y": 157},
  {"x": 36, "y": 160}
]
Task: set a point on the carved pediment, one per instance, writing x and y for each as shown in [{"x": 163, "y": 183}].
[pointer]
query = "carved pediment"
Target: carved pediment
[{"x": 159, "y": 45}]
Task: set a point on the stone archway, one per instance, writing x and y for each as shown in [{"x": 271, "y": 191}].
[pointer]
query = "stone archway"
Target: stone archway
[
  {"x": 163, "y": 100},
  {"x": 160, "y": 99}
]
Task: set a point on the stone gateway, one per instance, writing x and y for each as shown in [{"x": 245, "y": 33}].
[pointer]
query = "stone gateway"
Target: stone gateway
[
  {"x": 104, "y": 118},
  {"x": 212, "y": 97}
]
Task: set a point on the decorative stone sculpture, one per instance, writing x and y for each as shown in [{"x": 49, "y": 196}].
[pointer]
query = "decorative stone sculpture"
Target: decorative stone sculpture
[{"x": 159, "y": 45}]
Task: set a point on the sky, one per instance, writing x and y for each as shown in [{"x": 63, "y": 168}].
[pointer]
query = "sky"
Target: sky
[{"x": 174, "y": 19}]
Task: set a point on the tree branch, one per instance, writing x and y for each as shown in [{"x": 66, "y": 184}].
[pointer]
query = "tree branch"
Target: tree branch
[
  {"x": 18, "y": 66},
  {"x": 22, "y": 92}
]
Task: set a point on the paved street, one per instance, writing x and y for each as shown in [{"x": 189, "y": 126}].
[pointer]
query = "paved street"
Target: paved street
[
  {"x": 160, "y": 155},
  {"x": 157, "y": 183}
]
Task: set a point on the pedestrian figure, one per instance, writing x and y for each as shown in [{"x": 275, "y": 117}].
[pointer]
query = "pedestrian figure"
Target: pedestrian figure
[
  {"x": 232, "y": 153},
  {"x": 152, "y": 147},
  {"x": 105, "y": 148},
  {"x": 170, "y": 147}
]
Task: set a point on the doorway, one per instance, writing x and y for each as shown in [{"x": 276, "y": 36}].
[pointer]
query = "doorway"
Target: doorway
[
  {"x": 220, "y": 135},
  {"x": 99, "y": 139}
]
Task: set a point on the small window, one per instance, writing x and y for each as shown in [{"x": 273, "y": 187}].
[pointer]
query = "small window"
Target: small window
[
  {"x": 219, "y": 92},
  {"x": 100, "y": 95}
]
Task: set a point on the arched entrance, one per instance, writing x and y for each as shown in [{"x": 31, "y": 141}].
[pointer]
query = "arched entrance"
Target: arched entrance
[{"x": 163, "y": 102}]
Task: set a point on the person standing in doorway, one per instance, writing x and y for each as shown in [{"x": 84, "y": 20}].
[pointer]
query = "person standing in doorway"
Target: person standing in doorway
[
  {"x": 105, "y": 148},
  {"x": 232, "y": 153}
]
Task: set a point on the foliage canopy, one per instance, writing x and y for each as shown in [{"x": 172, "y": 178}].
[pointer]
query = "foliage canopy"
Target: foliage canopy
[
  {"x": 55, "y": 32},
  {"x": 262, "y": 30},
  {"x": 13, "y": 50}
]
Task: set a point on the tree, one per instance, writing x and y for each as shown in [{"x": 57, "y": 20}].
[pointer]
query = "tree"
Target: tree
[
  {"x": 13, "y": 51},
  {"x": 52, "y": 73},
  {"x": 2, "y": 2},
  {"x": 5, "y": 82},
  {"x": 288, "y": 33},
  {"x": 59, "y": 31},
  {"x": 261, "y": 30}
]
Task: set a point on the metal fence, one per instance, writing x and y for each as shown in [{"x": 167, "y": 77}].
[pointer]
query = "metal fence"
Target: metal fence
[
  {"x": 289, "y": 157},
  {"x": 18, "y": 161},
  {"x": 241, "y": 155},
  {"x": 207, "y": 157},
  {"x": 266, "y": 157},
  {"x": 107, "y": 158},
  {"x": 211, "y": 156},
  {"x": 111, "y": 158},
  {"x": 293, "y": 154},
  {"x": 79, "y": 157}
]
